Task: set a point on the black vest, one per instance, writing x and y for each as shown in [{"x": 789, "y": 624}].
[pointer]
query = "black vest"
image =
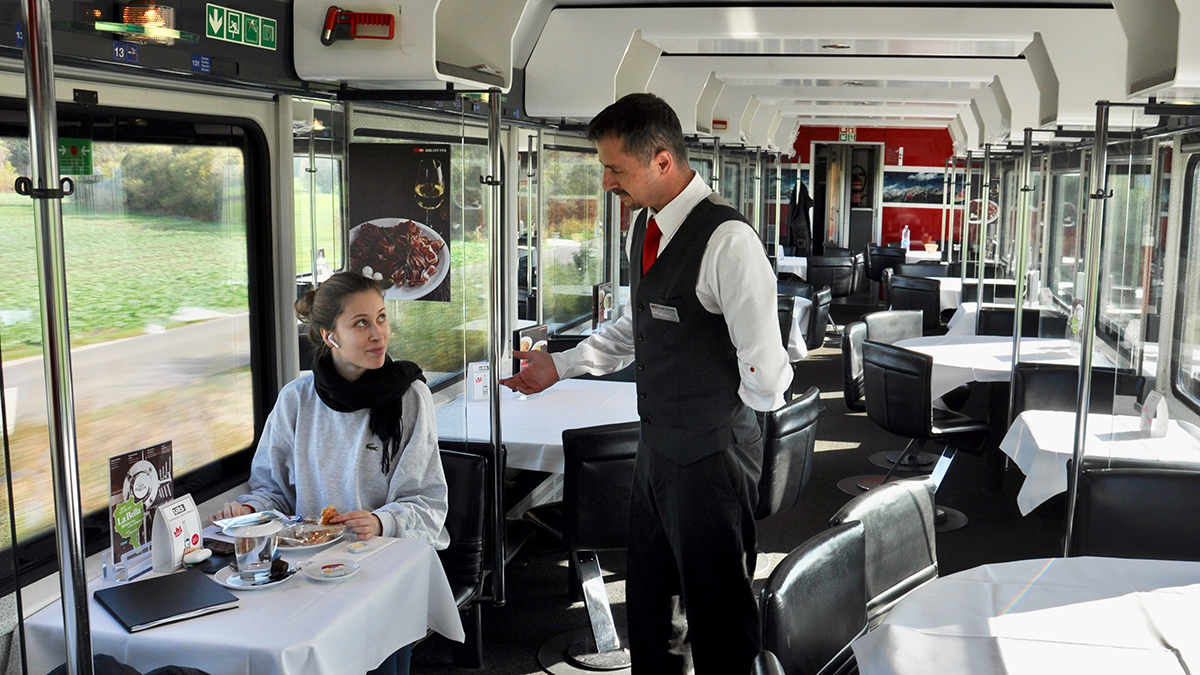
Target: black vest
[{"x": 686, "y": 370}]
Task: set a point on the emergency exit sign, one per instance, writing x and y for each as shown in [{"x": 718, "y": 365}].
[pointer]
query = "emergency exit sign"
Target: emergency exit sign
[
  {"x": 75, "y": 156},
  {"x": 231, "y": 25},
  {"x": 848, "y": 134}
]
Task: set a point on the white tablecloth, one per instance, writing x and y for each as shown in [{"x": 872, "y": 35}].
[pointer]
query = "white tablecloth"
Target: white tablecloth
[
  {"x": 797, "y": 350},
  {"x": 951, "y": 289},
  {"x": 533, "y": 427},
  {"x": 914, "y": 256},
  {"x": 1040, "y": 442},
  {"x": 1073, "y": 615},
  {"x": 300, "y": 627},
  {"x": 797, "y": 265},
  {"x": 960, "y": 359},
  {"x": 963, "y": 321}
]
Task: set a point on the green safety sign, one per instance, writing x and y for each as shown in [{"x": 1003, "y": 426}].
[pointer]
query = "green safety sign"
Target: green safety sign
[
  {"x": 231, "y": 25},
  {"x": 75, "y": 156}
]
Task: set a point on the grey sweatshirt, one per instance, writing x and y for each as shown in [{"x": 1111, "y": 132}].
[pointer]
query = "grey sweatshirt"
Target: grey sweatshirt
[{"x": 311, "y": 456}]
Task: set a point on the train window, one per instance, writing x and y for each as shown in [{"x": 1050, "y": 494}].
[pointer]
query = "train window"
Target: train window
[
  {"x": 1186, "y": 351},
  {"x": 731, "y": 182},
  {"x": 157, "y": 241},
  {"x": 1063, "y": 233},
  {"x": 573, "y": 245},
  {"x": 702, "y": 167},
  {"x": 1129, "y": 239}
]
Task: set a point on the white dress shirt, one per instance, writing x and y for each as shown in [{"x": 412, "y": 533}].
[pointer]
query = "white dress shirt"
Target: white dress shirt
[{"x": 735, "y": 281}]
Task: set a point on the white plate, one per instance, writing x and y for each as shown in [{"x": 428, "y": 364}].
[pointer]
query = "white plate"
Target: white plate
[
  {"x": 330, "y": 569},
  {"x": 395, "y": 292},
  {"x": 307, "y": 547},
  {"x": 227, "y": 577}
]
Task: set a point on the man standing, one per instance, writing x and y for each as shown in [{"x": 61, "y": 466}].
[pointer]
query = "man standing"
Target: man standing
[{"x": 702, "y": 330}]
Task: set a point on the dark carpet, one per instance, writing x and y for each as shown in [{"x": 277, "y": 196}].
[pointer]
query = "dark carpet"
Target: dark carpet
[{"x": 984, "y": 488}]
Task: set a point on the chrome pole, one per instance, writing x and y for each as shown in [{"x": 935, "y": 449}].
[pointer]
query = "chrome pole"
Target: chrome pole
[
  {"x": 1098, "y": 187},
  {"x": 541, "y": 218},
  {"x": 985, "y": 190},
  {"x": 716, "y": 175},
  {"x": 45, "y": 188},
  {"x": 779, "y": 204},
  {"x": 312, "y": 201},
  {"x": 1022, "y": 246},
  {"x": 496, "y": 341},
  {"x": 965, "y": 234},
  {"x": 947, "y": 201}
]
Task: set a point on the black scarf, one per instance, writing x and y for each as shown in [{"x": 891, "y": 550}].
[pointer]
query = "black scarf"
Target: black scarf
[{"x": 380, "y": 389}]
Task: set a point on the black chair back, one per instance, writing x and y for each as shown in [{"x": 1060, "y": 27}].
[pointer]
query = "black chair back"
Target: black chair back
[
  {"x": 897, "y": 389},
  {"x": 836, "y": 272},
  {"x": 881, "y": 258},
  {"x": 860, "y": 272},
  {"x": 1052, "y": 324},
  {"x": 838, "y": 251},
  {"x": 999, "y": 321},
  {"x": 797, "y": 289},
  {"x": 789, "y": 438},
  {"x": 919, "y": 293},
  {"x": 991, "y": 291},
  {"x": 852, "y": 365},
  {"x": 922, "y": 270},
  {"x": 1053, "y": 386},
  {"x": 1137, "y": 513},
  {"x": 767, "y": 663},
  {"x": 466, "y": 521},
  {"x": 900, "y": 539},
  {"x": 814, "y": 603},
  {"x": 818, "y": 319},
  {"x": 597, "y": 484},
  {"x": 990, "y": 270},
  {"x": 785, "y": 304},
  {"x": 892, "y": 325}
]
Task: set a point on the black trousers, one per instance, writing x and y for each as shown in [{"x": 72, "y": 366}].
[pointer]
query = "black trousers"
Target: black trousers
[{"x": 691, "y": 559}]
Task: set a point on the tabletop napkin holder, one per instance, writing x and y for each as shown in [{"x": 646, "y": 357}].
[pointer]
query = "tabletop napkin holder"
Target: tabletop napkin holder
[
  {"x": 176, "y": 529},
  {"x": 1154, "y": 415}
]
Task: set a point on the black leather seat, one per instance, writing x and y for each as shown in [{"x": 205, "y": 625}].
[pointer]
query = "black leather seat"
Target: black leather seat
[
  {"x": 767, "y": 663},
  {"x": 921, "y": 293},
  {"x": 990, "y": 270},
  {"x": 999, "y": 321},
  {"x": 1052, "y": 386},
  {"x": 818, "y": 315},
  {"x": 463, "y": 560},
  {"x": 892, "y": 325},
  {"x": 899, "y": 401},
  {"x": 922, "y": 269},
  {"x": 814, "y": 603},
  {"x": 1137, "y": 512},
  {"x": 836, "y": 272},
  {"x": 789, "y": 439},
  {"x": 900, "y": 540},
  {"x": 837, "y": 250},
  {"x": 853, "y": 386},
  {"x": 594, "y": 516},
  {"x": 880, "y": 258},
  {"x": 991, "y": 291},
  {"x": 860, "y": 273}
]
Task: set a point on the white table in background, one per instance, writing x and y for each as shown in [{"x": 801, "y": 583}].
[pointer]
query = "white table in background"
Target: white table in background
[
  {"x": 964, "y": 320},
  {"x": 1059, "y": 615},
  {"x": 797, "y": 265},
  {"x": 299, "y": 627},
  {"x": 1040, "y": 442},
  {"x": 797, "y": 349},
  {"x": 960, "y": 359},
  {"x": 951, "y": 289},
  {"x": 914, "y": 256},
  {"x": 533, "y": 426}
]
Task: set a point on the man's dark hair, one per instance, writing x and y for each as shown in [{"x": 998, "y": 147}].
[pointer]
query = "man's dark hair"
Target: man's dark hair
[{"x": 645, "y": 123}]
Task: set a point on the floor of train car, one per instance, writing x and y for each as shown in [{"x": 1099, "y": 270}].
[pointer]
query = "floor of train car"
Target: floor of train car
[{"x": 539, "y": 609}]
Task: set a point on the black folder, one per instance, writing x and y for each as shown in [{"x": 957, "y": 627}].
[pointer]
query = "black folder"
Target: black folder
[{"x": 153, "y": 602}]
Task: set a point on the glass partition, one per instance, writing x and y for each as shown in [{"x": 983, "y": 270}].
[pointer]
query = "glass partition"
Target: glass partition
[{"x": 573, "y": 244}]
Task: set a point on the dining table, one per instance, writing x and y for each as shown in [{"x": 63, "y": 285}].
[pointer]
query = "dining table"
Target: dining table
[
  {"x": 300, "y": 626},
  {"x": 795, "y": 264},
  {"x": 1052, "y": 615},
  {"x": 532, "y": 425},
  {"x": 961, "y": 359},
  {"x": 796, "y": 347},
  {"x": 950, "y": 289},
  {"x": 1041, "y": 441},
  {"x": 921, "y": 255}
]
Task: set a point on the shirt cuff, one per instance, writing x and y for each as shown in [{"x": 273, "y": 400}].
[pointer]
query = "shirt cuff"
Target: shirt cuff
[{"x": 387, "y": 523}]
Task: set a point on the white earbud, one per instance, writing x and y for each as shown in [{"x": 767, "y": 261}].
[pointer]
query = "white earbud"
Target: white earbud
[{"x": 334, "y": 343}]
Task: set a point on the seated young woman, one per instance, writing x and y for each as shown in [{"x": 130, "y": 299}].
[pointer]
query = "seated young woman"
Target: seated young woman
[{"x": 357, "y": 433}]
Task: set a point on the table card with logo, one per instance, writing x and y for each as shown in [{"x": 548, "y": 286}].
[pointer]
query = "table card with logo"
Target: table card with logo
[
  {"x": 602, "y": 304},
  {"x": 1154, "y": 415},
  {"x": 139, "y": 482},
  {"x": 480, "y": 375},
  {"x": 176, "y": 529}
]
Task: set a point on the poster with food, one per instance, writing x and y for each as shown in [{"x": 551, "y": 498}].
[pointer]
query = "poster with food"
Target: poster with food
[
  {"x": 602, "y": 304},
  {"x": 399, "y": 208},
  {"x": 138, "y": 482},
  {"x": 533, "y": 338}
]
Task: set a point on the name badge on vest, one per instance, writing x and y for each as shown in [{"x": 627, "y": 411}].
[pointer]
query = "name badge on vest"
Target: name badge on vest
[{"x": 664, "y": 312}]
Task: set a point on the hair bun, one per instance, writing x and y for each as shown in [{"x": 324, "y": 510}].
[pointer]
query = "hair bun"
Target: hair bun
[{"x": 304, "y": 304}]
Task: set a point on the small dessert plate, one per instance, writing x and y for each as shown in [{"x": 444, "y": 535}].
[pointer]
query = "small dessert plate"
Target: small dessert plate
[
  {"x": 331, "y": 569},
  {"x": 229, "y": 578}
]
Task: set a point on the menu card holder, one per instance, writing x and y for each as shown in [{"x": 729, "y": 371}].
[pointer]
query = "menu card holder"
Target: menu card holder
[
  {"x": 176, "y": 529},
  {"x": 166, "y": 599}
]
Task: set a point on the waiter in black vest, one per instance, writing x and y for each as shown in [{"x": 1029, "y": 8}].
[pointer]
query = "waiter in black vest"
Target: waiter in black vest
[{"x": 702, "y": 330}]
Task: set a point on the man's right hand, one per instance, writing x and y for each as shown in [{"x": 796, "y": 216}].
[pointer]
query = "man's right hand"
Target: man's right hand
[
  {"x": 537, "y": 376},
  {"x": 232, "y": 509}
]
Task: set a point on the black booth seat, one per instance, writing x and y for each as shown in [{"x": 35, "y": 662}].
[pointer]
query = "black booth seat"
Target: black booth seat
[
  {"x": 923, "y": 269},
  {"x": 853, "y": 386},
  {"x": 1054, "y": 386},
  {"x": 818, "y": 316},
  {"x": 836, "y": 272},
  {"x": 880, "y": 258},
  {"x": 789, "y": 440},
  {"x": 920, "y": 293},
  {"x": 464, "y": 560}
]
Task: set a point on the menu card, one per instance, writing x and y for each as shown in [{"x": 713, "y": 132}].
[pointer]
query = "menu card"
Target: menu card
[
  {"x": 532, "y": 338},
  {"x": 173, "y": 597},
  {"x": 139, "y": 481},
  {"x": 603, "y": 304}
]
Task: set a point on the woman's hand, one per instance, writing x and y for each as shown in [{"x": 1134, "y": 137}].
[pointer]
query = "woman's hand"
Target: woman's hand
[
  {"x": 362, "y": 523},
  {"x": 232, "y": 509}
]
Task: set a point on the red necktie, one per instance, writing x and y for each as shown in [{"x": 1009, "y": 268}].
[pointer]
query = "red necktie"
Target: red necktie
[{"x": 650, "y": 245}]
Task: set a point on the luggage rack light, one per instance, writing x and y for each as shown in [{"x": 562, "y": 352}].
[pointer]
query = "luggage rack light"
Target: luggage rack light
[{"x": 145, "y": 22}]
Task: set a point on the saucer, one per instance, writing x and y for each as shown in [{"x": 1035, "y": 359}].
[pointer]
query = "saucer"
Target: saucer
[
  {"x": 332, "y": 569},
  {"x": 229, "y": 578}
]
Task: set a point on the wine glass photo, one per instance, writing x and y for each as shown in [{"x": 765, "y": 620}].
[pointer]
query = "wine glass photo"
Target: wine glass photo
[{"x": 430, "y": 187}]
